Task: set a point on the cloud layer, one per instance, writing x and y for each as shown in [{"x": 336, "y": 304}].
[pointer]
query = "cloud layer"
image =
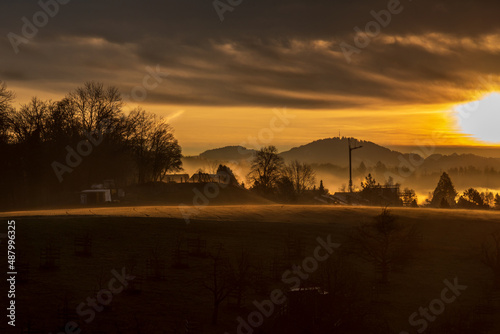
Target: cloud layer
[{"x": 264, "y": 54}]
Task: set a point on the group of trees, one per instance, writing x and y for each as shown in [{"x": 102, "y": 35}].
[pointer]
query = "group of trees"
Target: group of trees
[
  {"x": 56, "y": 147},
  {"x": 387, "y": 194},
  {"x": 444, "y": 196},
  {"x": 270, "y": 175}
]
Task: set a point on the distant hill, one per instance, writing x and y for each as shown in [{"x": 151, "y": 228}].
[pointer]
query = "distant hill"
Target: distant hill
[
  {"x": 330, "y": 150},
  {"x": 335, "y": 151},
  {"x": 228, "y": 153},
  {"x": 444, "y": 162}
]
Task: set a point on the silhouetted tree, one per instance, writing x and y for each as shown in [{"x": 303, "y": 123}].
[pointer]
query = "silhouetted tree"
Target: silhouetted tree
[
  {"x": 241, "y": 277},
  {"x": 165, "y": 150},
  {"x": 444, "y": 190},
  {"x": 220, "y": 281},
  {"x": 62, "y": 125},
  {"x": 226, "y": 175},
  {"x": 301, "y": 174},
  {"x": 409, "y": 197},
  {"x": 488, "y": 198},
  {"x": 285, "y": 189},
  {"x": 385, "y": 243},
  {"x": 471, "y": 199},
  {"x": 155, "y": 148},
  {"x": 321, "y": 189},
  {"x": 362, "y": 168},
  {"x": 265, "y": 169},
  {"x": 369, "y": 183},
  {"x": 490, "y": 255},
  {"x": 30, "y": 121},
  {"x": 6, "y": 98},
  {"x": 95, "y": 106},
  {"x": 497, "y": 201},
  {"x": 140, "y": 126},
  {"x": 52, "y": 150}
]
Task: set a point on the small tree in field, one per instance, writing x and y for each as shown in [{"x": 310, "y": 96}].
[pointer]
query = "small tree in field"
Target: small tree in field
[
  {"x": 219, "y": 281},
  {"x": 241, "y": 277},
  {"x": 385, "y": 243},
  {"x": 490, "y": 255}
]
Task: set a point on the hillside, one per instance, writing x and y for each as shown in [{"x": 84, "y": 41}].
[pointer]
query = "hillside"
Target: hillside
[
  {"x": 444, "y": 162},
  {"x": 227, "y": 153},
  {"x": 335, "y": 151}
]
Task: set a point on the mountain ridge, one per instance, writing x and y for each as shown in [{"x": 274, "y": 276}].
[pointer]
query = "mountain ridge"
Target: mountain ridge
[{"x": 335, "y": 151}]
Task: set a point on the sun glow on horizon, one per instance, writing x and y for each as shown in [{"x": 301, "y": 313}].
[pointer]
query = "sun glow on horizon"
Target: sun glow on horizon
[{"x": 480, "y": 119}]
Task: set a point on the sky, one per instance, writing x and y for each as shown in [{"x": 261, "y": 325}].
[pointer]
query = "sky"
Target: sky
[{"x": 220, "y": 71}]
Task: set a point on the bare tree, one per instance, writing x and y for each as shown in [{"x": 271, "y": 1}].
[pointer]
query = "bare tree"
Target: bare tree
[
  {"x": 156, "y": 150},
  {"x": 6, "y": 98},
  {"x": 62, "y": 126},
  {"x": 490, "y": 255},
  {"x": 241, "y": 277},
  {"x": 96, "y": 106},
  {"x": 211, "y": 166},
  {"x": 265, "y": 169},
  {"x": 220, "y": 282},
  {"x": 166, "y": 151},
  {"x": 302, "y": 175},
  {"x": 385, "y": 243},
  {"x": 30, "y": 121}
]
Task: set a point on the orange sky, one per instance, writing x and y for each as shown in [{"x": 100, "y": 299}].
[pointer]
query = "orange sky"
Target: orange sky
[
  {"x": 222, "y": 80},
  {"x": 205, "y": 127}
]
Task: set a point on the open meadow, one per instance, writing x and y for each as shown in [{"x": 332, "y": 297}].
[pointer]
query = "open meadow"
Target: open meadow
[{"x": 67, "y": 256}]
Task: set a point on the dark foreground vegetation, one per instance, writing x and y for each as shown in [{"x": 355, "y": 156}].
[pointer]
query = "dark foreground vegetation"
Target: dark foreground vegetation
[
  {"x": 372, "y": 271},
  {"x": 50, "y": 149}
]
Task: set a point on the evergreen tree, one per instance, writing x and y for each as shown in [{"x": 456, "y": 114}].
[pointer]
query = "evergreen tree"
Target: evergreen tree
[
  {"x": 444, "y": 191},
  {"x": 369, "y": 183},
  {"x": 497, "y": 201},
  {"x": 321, "y": 188},
  {"x": 362, "y": 168}
]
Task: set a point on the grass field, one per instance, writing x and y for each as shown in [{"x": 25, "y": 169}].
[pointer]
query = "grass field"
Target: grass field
[{"x": 132, "y": 237}]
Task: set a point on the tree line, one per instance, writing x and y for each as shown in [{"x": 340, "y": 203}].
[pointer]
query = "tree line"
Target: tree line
[
  {"x": 445, "y": 196},
  {"x": 52, "y": 148},
  {"x": 270, "y": 176}
]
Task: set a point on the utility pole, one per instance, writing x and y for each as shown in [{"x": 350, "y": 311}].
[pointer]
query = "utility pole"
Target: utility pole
[{"x": 350, "y": 162}]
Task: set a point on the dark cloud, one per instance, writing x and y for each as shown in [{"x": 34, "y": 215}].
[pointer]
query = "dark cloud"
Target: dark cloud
[{"x": 265, "y": 53}]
